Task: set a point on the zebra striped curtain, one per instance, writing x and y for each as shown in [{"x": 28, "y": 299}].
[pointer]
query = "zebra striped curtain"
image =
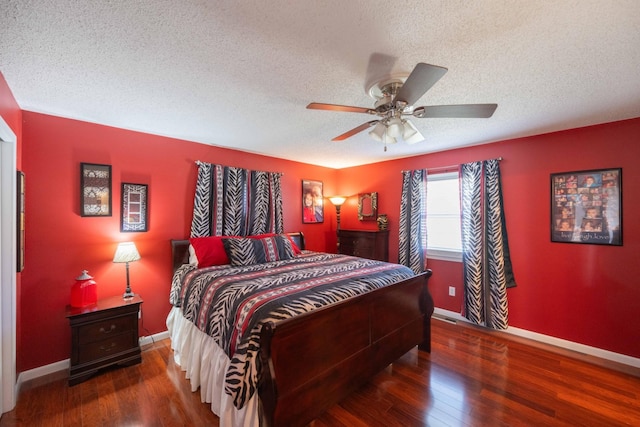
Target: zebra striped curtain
[
  {"x": 413, "y": 220},
  {"x": 485, "y": 249},
  {"x": 236, "y": 202}
]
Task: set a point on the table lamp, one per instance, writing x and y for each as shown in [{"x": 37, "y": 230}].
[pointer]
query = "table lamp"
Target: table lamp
[{"x": 126, "y": 252}]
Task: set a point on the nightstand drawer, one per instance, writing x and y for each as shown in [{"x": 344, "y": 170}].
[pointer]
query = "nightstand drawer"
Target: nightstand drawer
[
  {"x": 106, "y": 348},
  {"x": 107, "y": 328}
]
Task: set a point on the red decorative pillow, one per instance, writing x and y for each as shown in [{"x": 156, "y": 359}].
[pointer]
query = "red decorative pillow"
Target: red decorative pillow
[{"x": 209, "y": 251}]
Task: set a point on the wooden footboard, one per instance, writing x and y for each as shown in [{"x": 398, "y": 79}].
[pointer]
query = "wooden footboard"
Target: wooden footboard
[{"x": 312, "y": 361}]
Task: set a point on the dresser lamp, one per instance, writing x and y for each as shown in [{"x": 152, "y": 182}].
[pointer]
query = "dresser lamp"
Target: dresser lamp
[
  {"x": 337, "y": 202},
  {"x": 126, "y": 252}
]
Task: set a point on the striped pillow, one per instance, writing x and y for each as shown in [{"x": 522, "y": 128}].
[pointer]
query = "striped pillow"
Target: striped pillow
[{"x": 248, "y": 251}]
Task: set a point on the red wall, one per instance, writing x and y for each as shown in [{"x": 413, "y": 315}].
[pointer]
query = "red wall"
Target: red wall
[
  {"x": 60, "y": 243},
  {"x": 583, "y": 293}
]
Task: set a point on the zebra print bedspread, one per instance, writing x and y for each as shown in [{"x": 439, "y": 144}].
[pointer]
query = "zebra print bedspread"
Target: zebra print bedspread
[{"x": 231, "y": 303}]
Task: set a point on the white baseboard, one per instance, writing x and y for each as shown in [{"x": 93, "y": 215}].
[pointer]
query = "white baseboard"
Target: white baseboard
[
  {"x": 62, "y": 365},
  {"x": 445, "y": 315},
  {"x": 155, "y": 337},
  {"x": 41, "y": 371}
]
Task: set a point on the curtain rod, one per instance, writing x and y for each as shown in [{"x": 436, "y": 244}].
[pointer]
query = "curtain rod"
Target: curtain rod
[
  {"x": 451, "y": 167},
  {"x": 200, "y": 163}
]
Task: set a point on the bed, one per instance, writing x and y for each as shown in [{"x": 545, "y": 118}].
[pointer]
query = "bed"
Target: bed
[{"x": 309, "y": 361}]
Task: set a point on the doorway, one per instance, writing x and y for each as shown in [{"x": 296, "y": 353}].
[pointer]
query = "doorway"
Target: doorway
[{"x": 8, "y": 244}]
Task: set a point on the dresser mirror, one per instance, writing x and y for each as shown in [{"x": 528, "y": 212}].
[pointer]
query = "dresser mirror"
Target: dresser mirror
[{"x": 368, "y": 206}]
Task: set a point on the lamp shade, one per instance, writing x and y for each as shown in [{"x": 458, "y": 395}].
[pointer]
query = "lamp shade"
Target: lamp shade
[
  {"x": 388, "y": 139},
  {"x": 337, "y": 200},
  {"x": 395, "y": 127},
  {"x": 411, "y": 134},
  {"x": 409, "y": 130},
  {"x": 126, "y": 252},
  {"x": 378, "y": 131}
]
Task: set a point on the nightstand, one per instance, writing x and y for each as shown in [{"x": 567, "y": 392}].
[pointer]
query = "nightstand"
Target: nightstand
[{"x": 102, "y": 335}]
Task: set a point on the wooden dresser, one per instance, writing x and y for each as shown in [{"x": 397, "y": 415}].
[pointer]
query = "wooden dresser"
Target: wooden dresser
[
  {"x": 102, "y": 335},
  {"x": 364, "y": 243}
]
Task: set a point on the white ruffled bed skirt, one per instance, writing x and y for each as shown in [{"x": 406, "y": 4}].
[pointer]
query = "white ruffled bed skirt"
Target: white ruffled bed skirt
[{"x": 205, "y": 365}]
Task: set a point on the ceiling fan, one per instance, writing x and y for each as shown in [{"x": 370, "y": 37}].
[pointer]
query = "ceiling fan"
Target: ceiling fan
[{"x": 395, "y": 97}]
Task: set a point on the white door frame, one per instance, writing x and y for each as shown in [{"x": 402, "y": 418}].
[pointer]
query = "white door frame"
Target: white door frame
[{"x": 8, "y": 251}]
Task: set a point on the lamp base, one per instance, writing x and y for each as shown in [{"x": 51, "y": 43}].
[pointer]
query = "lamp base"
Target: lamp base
[{"x": 128, "y": 294}]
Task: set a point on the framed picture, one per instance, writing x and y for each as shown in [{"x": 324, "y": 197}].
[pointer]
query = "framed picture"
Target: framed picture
[
  {"x": 586, "y": 207},
  {"x": 134, "y": 207},
  {"x": 312, "y": 202},
  {"x": 95, "y": 190},
  {"x": 20, "y": 217}
]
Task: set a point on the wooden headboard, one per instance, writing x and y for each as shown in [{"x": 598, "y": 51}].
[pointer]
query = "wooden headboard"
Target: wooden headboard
[{"x": 180, "y": 249}]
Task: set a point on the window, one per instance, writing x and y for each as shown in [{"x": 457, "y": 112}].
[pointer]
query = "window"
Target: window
[{"x": 444, "y": 240}]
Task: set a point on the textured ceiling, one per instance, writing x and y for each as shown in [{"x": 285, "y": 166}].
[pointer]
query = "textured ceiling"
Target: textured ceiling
[{"x": 240, "y": 73}]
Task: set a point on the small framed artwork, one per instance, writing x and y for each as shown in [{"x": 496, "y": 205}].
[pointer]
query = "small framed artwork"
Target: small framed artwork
[
  {"x": 312, "y": 202},
  {"x": 20, "y": 217},
  {"x": 95, "y": 189},
  {"x": 586, "y": 207},
  {"x": 134, "y": 207}
]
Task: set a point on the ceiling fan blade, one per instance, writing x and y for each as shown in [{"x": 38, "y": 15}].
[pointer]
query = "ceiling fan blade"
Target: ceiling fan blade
[
  {"x": 355, "y": 130},
  {"x": 333, "y": 107},
  {"x": 421, "y": 79},
  {"x": 482, "y": 111}
]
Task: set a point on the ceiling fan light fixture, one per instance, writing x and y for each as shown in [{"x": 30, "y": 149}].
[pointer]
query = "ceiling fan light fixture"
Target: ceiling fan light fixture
[
  {"x": 388, "y": 139},
  {"x": 411, "y": 134},
  {"x": 395, "y": 127},
  {"x": 378, "y": 132},
  {"x": 417, "y": 137},
  {"x": 409, "y": 130}
]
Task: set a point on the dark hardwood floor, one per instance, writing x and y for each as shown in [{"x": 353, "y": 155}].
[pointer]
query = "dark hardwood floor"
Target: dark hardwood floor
[{"x": 471, "y": 378}]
